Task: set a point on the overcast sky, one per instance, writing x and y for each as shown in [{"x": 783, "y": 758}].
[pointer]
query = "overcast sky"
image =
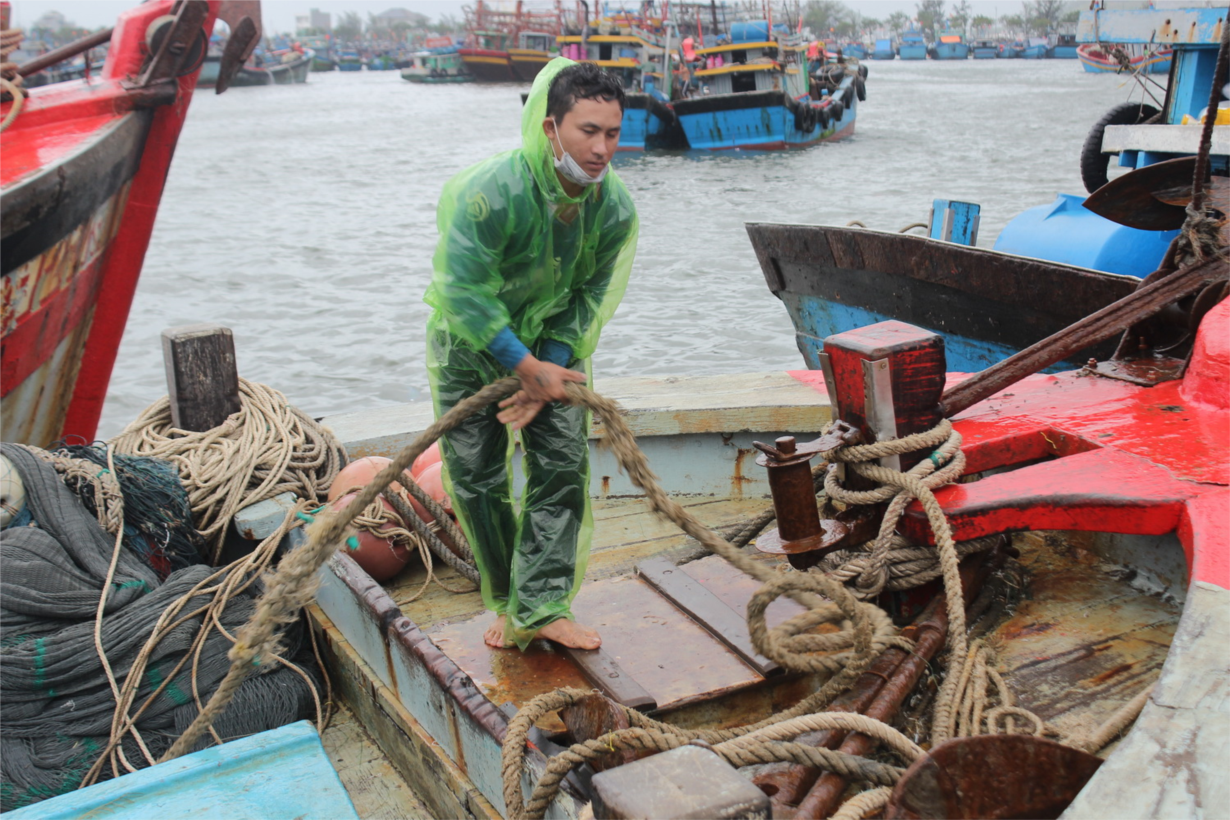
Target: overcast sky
[{"x": 280, "y": 14}]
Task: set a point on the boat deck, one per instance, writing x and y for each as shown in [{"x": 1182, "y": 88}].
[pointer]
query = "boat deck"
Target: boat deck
[{"x": 1079, "y": 638}]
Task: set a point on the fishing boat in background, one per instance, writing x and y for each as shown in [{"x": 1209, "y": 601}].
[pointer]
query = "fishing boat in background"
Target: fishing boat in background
[
  {"x": 509, "y": 46},
  {"x": 349, "y": 59},
  {"x": 441, "y": 64},
  {"x": 985, "y": 50},
  {"x": 84, "y": 168},
  {"x": 950, "y": 46},
  {"x": 853, "y": 49},
  {"x": 1036, "y": 48},
  {"x": 281, "y": 67},
  {"x": 884, "y": 50},
  {"x": 1011, "y": 50},
  {"x": 1065, "y": 46},
  {"x": 382, "y": 62},
  {"x": 321, "y": 46},
  {"x": 913, "y": 46},
  {"x": 754, "y": 93},
  {"x": 1146, "y": 58}
]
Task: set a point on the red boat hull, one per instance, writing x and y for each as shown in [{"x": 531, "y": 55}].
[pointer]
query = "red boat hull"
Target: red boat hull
[{"x": 84, "y": 167}]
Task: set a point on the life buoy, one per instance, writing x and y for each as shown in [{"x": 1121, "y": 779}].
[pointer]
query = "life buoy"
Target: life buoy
[{"x": 1093, "y": 162}]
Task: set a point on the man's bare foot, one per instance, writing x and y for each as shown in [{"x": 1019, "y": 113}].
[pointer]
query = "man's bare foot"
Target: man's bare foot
[
  {"x": 494, "y": 636},
  {"x": 571, "y": 633}
]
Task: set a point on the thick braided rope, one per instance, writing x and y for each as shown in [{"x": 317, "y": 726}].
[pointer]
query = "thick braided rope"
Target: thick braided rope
[
  {"x": 266, "y": 448},
  {"x": 293, "y": 585},
  {"x": 900, "y": 488},
  {"x": 426, "y": 532},
  {"x": 864, "y": 805}
]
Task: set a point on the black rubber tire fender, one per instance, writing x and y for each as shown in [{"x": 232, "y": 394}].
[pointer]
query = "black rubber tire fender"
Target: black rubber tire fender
[
  {"x": 860, "y": 87},
  {"x": 800, "y": 117},
  {"x": 822, "y": 118},
  {"x": 837, "y": 109},
  {"x": 862, "y": 70},
  {"x": 847, "y": 96},
  {"x": 1094, "y": 163}
]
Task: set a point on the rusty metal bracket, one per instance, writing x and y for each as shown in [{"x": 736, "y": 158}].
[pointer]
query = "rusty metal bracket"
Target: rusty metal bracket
[
  {"x": 186, "y": 26},
  {"x": 243, "y": 40}
]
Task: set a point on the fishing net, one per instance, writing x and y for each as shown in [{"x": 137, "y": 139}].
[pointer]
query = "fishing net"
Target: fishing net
[{"x": 57, "y": 707}]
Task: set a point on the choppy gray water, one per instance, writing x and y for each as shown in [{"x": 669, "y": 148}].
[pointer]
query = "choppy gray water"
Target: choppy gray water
[{"x": 303, "y": 217}]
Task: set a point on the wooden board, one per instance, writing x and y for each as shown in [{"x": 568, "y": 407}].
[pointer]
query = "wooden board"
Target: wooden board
[{"x": 374, "y": 785}]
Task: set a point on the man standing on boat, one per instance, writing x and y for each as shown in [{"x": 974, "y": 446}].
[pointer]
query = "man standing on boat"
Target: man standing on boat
[{"x": 535, "y": 249}]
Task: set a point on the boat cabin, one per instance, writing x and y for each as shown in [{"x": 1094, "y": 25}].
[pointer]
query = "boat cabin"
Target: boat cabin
[{"x": 735, "y": 68}]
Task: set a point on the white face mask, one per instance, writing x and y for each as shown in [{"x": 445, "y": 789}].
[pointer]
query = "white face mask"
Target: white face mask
[{"x": 570, "y": 168}]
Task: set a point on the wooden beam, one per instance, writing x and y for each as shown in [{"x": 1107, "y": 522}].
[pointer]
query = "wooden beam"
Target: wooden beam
[
  {"x": 604, "y": 672},
  {"x": 706, "y": 609},
  {"x": 202, "y": 378}
]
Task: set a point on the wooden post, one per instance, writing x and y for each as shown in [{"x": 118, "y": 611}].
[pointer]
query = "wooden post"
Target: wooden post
[{"x": 202, "y": 379}]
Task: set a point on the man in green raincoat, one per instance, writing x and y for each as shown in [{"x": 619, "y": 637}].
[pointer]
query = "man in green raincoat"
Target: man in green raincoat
[{"x": 535, "y": 249}]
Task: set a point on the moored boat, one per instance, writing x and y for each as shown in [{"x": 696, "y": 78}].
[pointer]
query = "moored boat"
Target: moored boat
[
  {"x": 884, "y": 50},
  {"x": 1011, "y": 50},
  {"x": 756, "y": 95},
  {"x": 84, "y": 168},
  {"x": 1036, "y": 48},
  {"x": 276, "y": 68},
  {"x": 1100, "y": 58},
  {"x": 950, "y": 46},
  {"x": 436, "y": 65},
  {"x": 1065, "y": 46},
  {"x": 985, "y": 50},
  {"x": 349, "y": 60},
  {"x": 913, "y": 46}
]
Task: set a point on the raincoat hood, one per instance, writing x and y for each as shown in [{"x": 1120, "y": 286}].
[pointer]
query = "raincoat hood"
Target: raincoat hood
[{"x": 535, "y": 145}]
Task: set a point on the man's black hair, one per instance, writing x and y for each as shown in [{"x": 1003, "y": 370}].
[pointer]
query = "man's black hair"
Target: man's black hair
[{"x": 583, "y": 81}]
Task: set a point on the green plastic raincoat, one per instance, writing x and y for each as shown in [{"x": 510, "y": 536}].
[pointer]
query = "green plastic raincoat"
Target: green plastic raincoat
[{"x": 516, "y": 251}]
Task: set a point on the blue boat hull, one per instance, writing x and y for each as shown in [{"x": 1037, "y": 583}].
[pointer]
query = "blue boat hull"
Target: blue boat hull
[
  {"x": 912, "y": 52},
  {"x": 1063, "y": 53},
  {"x": 987, "y": 305},
  {"x": 757, "y": 121},
  {"x": 951, "y": 51},
  {"x": 649, "y": 123},
  {"x": 986, "y": 53},
  {"x": 856, "y": 51},
  {"x": 1035, "y": 53},
  {"x": 884, "y": 55}
]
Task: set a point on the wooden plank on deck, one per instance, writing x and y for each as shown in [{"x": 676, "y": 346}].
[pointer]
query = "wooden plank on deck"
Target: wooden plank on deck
[{"x": 706, "y": 609}]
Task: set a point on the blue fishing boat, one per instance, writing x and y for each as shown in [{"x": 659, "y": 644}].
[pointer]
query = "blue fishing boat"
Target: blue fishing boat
[
  {"x": 1011, "y": 50},
  {"x": 884, "y": 50},
  {"x": 951, "y": 46},
  {"x": 985, "y": 50},
  {"x": 349, "y": 60},
  {"x": 756, "y": 94},
  {"x": 1036, "y": 48},
  {"x": 637, "y": 58},
  {"x": 913, "y": 46},
  {"x": 856, "y": 50},
  {"x": 1064, "y": 47}
]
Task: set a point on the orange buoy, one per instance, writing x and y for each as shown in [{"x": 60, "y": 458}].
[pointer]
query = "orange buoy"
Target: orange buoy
[
  {"x": 359, "y": 473},
  {"x": 428, "y": 457},
  {"x": 381, "y": 558},
  {"x": 432, "y": 481}
]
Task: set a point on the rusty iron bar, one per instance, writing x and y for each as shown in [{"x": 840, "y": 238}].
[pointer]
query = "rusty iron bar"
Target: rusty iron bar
[
  {"x": 59, "y": 55},
  {"x": 1096, "y": 327},
  {"x": 787, "y": 784},
  {"x": 186, "y": 26},
  {"x": 929, "y": 632}
]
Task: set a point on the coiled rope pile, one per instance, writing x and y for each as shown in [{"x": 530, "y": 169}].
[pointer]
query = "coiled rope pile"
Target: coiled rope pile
[
  {"x": 866, "y": 629},
  {"x": 267, "y": 448}
]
